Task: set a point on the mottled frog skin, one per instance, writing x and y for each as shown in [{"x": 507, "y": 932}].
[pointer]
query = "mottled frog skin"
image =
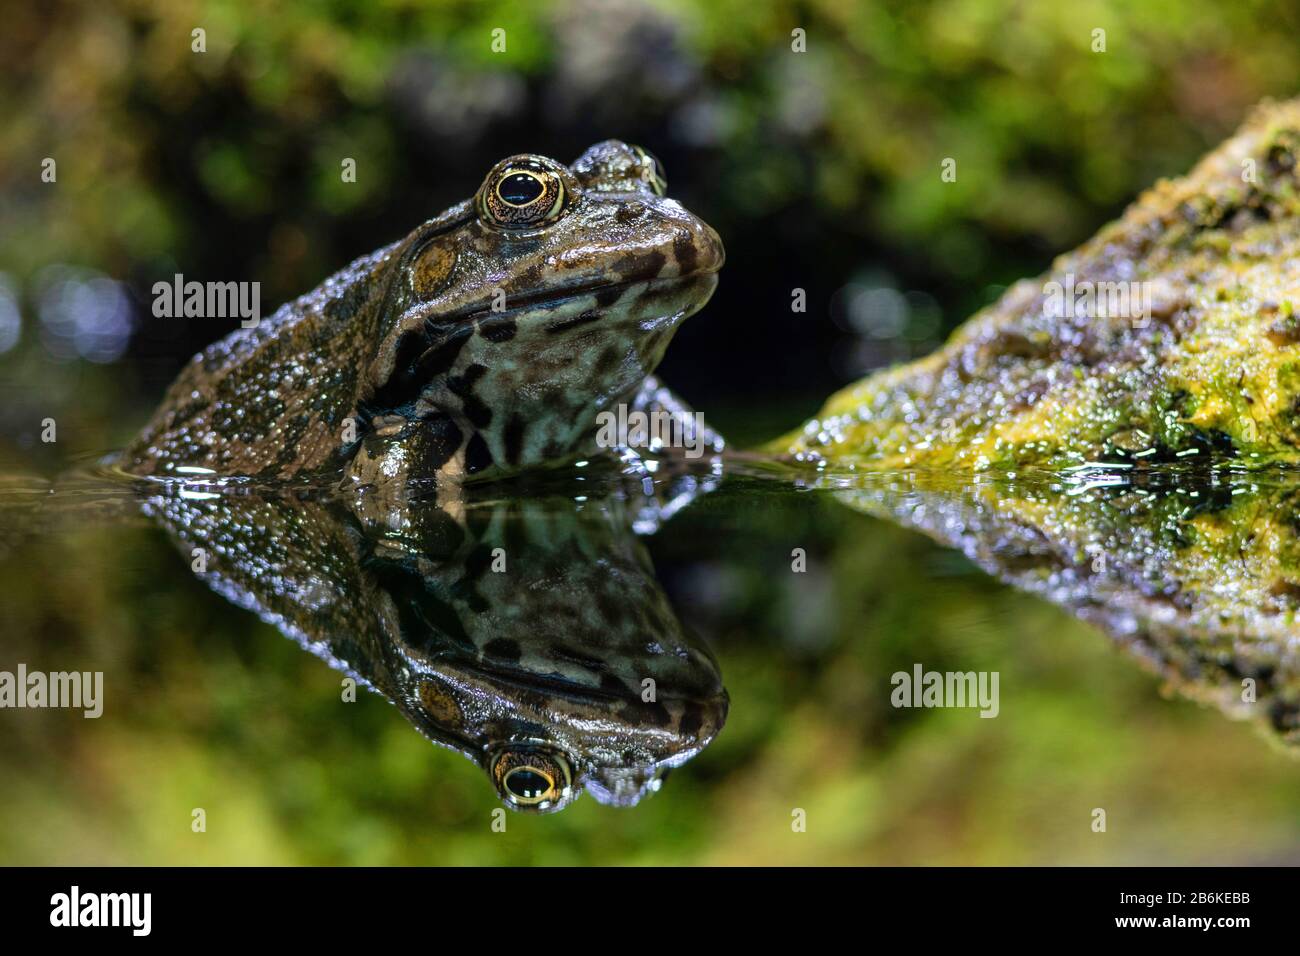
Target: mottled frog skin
[{"x": 483, "y": 343}]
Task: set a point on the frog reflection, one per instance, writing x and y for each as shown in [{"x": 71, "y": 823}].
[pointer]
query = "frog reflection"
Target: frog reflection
[
  {"x": 1196, "y": 573},
  {"x": 531, "y": 635}
]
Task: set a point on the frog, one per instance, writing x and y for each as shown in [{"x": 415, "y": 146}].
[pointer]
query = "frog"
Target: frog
[{"x": 483, "y": 344}]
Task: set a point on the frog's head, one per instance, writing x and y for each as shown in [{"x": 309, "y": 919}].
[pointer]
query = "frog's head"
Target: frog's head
[{"x": 550, "y": 295}]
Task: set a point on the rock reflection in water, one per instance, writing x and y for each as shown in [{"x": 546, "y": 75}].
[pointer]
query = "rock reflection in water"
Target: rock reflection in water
[
  {"x": 1194, "y": 572},
  {"x": 531, "y": 635}
]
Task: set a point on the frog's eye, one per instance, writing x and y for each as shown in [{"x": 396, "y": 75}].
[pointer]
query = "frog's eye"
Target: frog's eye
[
  {"x": 652, "y": 171},
  {"x": 532, "y": 777},
  {"x": 522, "y": 193}
]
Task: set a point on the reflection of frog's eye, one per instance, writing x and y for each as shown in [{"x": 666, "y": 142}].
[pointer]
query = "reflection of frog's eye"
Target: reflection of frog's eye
[
  {"x": 522, "y": 193},
  {"x": 532, "y": 777},
  {"x": 652, "y": 171}
]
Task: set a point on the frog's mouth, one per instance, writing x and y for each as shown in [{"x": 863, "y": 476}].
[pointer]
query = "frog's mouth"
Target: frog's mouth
[{"x": 607, "y": 299}]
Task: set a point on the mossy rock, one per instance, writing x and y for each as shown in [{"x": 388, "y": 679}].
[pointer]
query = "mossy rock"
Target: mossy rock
[{"x": 1189, "y": 348}]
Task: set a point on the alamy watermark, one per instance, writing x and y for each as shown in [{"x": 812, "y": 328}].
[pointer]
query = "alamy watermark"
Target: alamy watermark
[
  {"x": 1121, "y": 300},
  {"x": 75, "y": 908},
  {"x": 76, "y": 690},
  {"x": 208, "y": 300},
  {"x": 624, "y": 428},
  {"x": 922, "y": 688}
]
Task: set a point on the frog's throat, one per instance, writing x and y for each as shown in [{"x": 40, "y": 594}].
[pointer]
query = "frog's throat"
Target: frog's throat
[{"x": 524, "y": 386}]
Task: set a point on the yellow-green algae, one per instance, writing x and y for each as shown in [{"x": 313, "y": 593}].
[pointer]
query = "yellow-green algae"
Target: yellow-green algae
[{"x": 1213, "y": 370}]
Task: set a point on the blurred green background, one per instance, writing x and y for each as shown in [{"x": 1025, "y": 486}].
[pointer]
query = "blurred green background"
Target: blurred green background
[{"x": 821, "y": 171}]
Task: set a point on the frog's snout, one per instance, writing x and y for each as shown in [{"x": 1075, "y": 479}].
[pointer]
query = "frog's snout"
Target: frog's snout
[
  {"x": 670, "y": 243},
  {"x": 632, "y": 184},
  {"x": 700, "y": 251}
]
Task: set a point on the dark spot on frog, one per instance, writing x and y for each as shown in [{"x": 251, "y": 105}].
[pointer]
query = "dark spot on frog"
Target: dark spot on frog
[
  {"x": 440, "y": 450},
  {"x": 629, "y": 212},
  {"x": 476, "y": 565},
  {"x": 441, "y": 355},
  {"x": 479, "y": 415},
  {"x": 612, "y": 684},
  {"x": 426, "y": 621},
  {"x": 584, "y": 318},
  {"x": 478, "y": 456},
  {"x": 609, "y": 359},
  {"x": 465, "y": 590},
  {"x": 570, "y": 655},
  {"x": 527, "y": 280},
  {"x": 406, "y": 354},
  {"x": 503, "y": 649},
  {"x": 685, "y": 252},
  {"x": 497, "y": 328},
  {"x": 653, "y": 712},
  {"x": 641, "y": 266},
  {"x": 514, "y": 438},
  {"x": 691, "y": 722}
]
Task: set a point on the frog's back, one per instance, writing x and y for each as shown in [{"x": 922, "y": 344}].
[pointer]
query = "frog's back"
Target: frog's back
[{"x": 271, "y": 399}]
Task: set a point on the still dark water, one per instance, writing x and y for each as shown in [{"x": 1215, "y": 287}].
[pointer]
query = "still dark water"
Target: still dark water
[{"x": 726, "y": 664}]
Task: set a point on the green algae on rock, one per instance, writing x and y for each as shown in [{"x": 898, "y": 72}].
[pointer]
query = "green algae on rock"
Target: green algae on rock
[{"x": 1170, "y": 334}]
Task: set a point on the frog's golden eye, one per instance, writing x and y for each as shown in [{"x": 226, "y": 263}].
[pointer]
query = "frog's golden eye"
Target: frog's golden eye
[
  {"x": 532, "y": 777},
  {"x": 522, "y": 193}
]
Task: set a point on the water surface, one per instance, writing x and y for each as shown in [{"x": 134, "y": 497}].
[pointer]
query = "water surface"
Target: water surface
[{"x": 1128, "y": 618}]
